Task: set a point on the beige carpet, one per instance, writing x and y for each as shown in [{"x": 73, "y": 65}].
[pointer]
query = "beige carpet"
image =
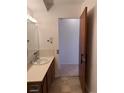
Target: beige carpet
[
  {"x": 66, "y": 85},
  {"x": 69, "y": 70}
]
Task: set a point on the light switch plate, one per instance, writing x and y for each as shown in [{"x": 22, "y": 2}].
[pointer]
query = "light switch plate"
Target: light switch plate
[{"x": 57, "y": 51}]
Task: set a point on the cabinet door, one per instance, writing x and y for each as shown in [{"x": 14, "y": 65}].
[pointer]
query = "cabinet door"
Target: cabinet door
[
  {"x": 53, "y": 71},
  {"x": 49, "y": 74},
  {"x": 44, "y": 86}
]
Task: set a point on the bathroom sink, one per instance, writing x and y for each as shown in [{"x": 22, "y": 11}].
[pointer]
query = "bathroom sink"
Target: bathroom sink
[{"x": 42, "y": 60}]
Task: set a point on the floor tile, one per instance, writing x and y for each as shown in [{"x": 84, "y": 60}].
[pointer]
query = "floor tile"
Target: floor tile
[{"x": 66, "y": 85}]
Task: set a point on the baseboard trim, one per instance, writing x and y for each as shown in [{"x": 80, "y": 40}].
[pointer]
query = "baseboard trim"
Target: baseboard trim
[{"x": 88, "y": 90}]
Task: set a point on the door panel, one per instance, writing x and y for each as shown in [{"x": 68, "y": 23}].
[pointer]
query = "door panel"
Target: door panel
[
  {"x": 83, "y": 48},
  {"x": 69, "y": 41}
]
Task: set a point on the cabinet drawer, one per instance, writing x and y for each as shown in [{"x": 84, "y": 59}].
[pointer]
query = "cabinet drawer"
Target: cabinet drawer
[{"x": 34, "y": 87}]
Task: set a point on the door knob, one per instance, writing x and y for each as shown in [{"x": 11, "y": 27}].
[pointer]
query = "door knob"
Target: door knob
[{"x": 83, "y": 60}]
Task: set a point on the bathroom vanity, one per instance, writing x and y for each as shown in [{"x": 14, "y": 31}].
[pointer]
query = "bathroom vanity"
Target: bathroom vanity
[
  {"x": 40, "y": 77},
  {"x": 41, "y": 69}
]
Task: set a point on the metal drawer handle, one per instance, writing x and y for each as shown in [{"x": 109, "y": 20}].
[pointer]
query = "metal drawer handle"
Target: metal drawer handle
[{"x": 34, "y": 90}]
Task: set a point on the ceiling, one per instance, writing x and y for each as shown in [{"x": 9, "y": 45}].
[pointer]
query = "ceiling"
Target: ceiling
[{"x": 50, "y": 3}]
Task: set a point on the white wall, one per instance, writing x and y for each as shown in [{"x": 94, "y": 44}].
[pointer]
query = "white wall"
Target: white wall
[
  {"x": 42, "y": 16},
  {"x": 69, "y": 41}
]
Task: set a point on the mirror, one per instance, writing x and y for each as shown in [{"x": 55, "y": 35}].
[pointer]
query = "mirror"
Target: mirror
[{"x": 32, "y": 38}]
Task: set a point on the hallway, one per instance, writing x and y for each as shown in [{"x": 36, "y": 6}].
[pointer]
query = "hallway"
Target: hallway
[{"x": 66, "y": 85}]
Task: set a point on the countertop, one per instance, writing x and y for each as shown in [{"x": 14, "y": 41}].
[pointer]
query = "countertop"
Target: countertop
[{"x": 37, "y": 73}]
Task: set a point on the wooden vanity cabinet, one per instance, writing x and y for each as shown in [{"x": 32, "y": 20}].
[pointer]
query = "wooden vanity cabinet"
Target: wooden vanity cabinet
[
  {"x": 44, "y": 86},
  {"x": 50, "y": 75}
]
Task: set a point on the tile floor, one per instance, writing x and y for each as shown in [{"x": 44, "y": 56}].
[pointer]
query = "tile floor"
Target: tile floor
[
  {"x": 66, "y": 85},
  {"x": 69, "y": 70}
]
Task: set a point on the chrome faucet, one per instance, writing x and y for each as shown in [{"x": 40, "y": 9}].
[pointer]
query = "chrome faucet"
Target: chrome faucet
[{"x": 35, "y": 56}]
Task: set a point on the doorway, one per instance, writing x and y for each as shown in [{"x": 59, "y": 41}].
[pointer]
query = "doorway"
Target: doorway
[{"x": 69, "y": 46}]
